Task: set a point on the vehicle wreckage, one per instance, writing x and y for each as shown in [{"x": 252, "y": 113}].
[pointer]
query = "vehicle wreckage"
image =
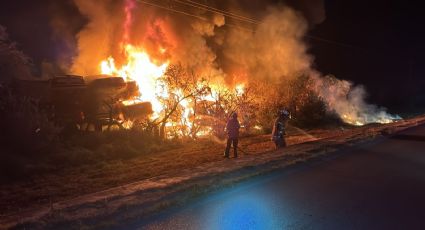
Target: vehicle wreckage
[{"x": 92, "y": 103}]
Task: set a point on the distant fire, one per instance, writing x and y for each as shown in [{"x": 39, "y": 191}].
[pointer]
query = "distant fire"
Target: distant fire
[{"x": 365, "y": 120}]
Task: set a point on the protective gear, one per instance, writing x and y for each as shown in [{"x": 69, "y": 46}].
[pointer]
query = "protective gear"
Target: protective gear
[
  {"x": 284, "y": 112},
  {"x": 232, "y": 129},
  {"x": 279, "y": 129}
]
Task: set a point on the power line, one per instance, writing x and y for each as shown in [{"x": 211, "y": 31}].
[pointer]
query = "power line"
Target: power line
[
  {"x": 171, "y": 9},
  {"x": 257, "y": 22},
  {"x": 202, "y": 7},
  {"x": 191, "y": 15},
  {"x": 233, "y": 16},
  {"x": 248, "y": 20},
  {"x": 218, "y": 11}
]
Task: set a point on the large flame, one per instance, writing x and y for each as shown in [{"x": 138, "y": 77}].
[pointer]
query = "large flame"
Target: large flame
[
  {"x": 273, "y": 52},
  {"x": 142, "y": 69},
  {"x": 147, "y": 72}
]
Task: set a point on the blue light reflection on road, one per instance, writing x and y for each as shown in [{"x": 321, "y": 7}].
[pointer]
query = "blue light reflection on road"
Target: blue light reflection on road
[
  {"x": 250, "y": 205},
  {"x": 250, "y": 211},
  {"x": 255, "y": 204}
]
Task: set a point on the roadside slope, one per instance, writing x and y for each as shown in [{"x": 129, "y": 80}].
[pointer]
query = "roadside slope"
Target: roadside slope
[{"x": 144, "y": 197}]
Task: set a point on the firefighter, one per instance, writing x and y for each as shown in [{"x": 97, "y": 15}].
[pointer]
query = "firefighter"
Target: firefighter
[
  {"x": 279, "y": 129},
  {"x": 232, "y": 129}
]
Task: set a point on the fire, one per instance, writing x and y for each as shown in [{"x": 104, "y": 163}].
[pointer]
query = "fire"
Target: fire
[
  {"x": 142, "y": 69},
  {"x": 240, "y": 89},
  {"x": 382, "y": 118},
  {"x": 148, "y": 73},
  {"x": 349, "y": 120}
]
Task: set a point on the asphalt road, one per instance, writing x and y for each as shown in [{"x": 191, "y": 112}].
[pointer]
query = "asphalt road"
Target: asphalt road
[{"x": 379, "y": 185}]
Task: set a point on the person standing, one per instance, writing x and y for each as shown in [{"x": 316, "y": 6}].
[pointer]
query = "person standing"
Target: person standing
[
  {"x": 232, "y": 129},
  {"x": 279, "y": 129}
]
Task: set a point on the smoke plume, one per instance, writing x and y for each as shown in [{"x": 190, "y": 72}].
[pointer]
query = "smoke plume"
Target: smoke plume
[
  {"x": 274, "y": 50},
  {"x": 96, "y": 40},
  {"x": 348, "y": 101},
  {"x": 247, "y": 40}
]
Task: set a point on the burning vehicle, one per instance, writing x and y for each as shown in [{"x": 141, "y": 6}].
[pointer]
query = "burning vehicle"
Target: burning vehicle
[
  {"x": 86, "y": 103},
  {"x": 65, "y": 100},
  {"x": 149, "y": 62}
]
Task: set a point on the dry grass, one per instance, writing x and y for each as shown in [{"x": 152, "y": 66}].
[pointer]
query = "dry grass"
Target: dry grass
[
  {"x": 40, "y": 190},
  {"x": 76, "y": 178}
]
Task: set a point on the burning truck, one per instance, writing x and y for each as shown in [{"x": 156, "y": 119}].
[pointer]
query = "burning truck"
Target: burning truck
[
  {"x": 136, "y": 53},
  {"x": 89, "y": 103}
]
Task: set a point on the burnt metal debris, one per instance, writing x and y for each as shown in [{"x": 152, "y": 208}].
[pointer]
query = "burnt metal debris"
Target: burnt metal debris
[{"x": 88, "y": 103}]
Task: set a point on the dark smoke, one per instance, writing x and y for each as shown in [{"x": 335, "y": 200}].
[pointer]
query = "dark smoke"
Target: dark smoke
[
  {"x": 268, "y": 46},
  {"x": 46, "y": 29}
]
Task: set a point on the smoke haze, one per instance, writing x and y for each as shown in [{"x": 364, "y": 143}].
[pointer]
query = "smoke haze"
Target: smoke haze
[
  {"x": 262, "y": 40},
  {"x": 227, "y": 49},
  {"x": 270, "y": 49}
]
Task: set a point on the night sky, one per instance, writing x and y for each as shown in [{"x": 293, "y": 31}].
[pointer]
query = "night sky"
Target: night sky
[{"x": 375, "y": 43}]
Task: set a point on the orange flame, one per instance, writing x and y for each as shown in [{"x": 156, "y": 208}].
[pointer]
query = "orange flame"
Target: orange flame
[
  {"x": 142, "y": 69},
  {"x": 147, "y": 73}
]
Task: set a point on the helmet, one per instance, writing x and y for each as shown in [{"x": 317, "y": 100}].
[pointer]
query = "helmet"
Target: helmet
[{"x": 283, "y": 112}]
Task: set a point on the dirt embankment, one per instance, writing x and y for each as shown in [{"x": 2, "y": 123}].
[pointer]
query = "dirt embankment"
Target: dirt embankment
[{"x": 141, "y": 186}]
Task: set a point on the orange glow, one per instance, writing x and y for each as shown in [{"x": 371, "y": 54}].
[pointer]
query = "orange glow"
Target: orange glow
[
  {"x": 142, "y": 69},
  {"x": 240, "y": 89}
]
